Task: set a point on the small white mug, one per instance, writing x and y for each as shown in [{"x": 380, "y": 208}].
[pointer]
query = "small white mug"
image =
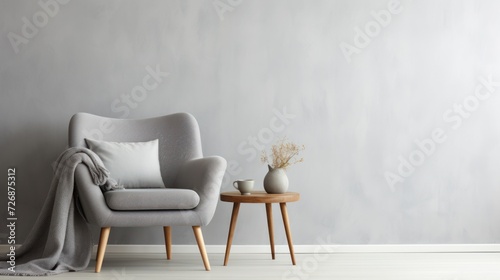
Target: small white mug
[{"x": 244, "y": 186}]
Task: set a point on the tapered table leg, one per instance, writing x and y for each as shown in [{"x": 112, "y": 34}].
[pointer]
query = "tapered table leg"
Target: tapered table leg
[
  {"x": 284, "y": 213},
  {"x": 232, "y": 226},
  {"x": 269, "y": 212}
]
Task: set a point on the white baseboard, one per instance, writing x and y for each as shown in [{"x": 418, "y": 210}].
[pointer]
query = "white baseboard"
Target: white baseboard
[
  {"x": 309, "y": 249},
  {"x": 302, "y": 249}
]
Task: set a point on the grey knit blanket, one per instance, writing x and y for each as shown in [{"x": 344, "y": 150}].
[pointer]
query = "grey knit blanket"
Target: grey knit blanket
[{"x": 60, "y": 240}]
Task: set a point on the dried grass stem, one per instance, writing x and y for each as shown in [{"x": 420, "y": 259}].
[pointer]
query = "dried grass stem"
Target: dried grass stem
[{"x": 283, "y": 154}]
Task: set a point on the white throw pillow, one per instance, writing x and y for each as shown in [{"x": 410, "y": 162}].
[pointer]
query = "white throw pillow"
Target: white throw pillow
[{"x": 131, "y": 164}]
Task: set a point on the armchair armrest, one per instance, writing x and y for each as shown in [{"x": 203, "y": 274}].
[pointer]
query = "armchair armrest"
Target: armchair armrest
[
  {"x": 204, "y": 176},
  {"x": 91, "y": 197}
]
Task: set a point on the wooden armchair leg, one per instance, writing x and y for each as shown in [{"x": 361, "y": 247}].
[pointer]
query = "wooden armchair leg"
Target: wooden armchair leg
[
  {"x": 101, "y": 249},
  {"x": 201, "y": 245},
  {"x": 168, "y": 241}
]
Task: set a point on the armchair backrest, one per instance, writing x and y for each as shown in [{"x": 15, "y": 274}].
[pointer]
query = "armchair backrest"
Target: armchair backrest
[{"x": 178, "y": 136}]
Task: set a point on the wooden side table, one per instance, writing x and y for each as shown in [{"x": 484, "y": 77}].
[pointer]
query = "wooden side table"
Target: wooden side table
[{"x": 261, "y": 197}]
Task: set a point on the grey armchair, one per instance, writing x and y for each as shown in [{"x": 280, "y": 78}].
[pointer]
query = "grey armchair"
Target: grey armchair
[{"x": 182, "y": 167}]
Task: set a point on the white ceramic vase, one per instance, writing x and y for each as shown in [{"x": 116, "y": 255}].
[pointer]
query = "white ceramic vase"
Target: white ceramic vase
[{"x": 276, "y": 180}]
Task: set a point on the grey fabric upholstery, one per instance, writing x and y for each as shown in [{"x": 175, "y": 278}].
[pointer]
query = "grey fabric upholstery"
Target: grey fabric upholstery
[
  {"x": 181, "y": 161},
  {"x": 152, "y": 199}
]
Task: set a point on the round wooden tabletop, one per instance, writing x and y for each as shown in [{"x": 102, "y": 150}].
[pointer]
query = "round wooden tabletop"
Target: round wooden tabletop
[{"x": 259, "y": 197}]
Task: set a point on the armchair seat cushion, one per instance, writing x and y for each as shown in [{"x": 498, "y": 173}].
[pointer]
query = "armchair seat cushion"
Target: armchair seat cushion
[{"x": 152, "y": 199}]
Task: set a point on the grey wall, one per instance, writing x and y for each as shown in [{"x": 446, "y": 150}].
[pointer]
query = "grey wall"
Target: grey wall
[{"x": 358, "y": 103}]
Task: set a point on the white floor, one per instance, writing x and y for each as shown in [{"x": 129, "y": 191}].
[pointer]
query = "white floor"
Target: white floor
[{"x": 345, "y": 266}]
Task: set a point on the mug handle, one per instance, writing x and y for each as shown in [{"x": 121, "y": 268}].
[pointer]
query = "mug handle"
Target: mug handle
[{"x": 234, "y": 185}]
